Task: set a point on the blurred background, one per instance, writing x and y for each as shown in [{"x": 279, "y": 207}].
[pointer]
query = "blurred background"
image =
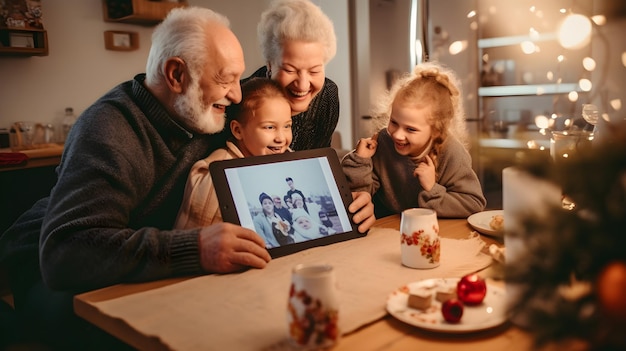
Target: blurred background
[{"x": 527, "y": 67}]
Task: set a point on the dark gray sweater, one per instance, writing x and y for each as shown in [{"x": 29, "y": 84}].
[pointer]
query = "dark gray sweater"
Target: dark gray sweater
[
  {"x": 389, "y": 178},
  {"x": 120, "y": 183}
]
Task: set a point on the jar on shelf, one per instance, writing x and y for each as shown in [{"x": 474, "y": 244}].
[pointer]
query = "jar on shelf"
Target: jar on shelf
[{"x": 68, "y": 121}]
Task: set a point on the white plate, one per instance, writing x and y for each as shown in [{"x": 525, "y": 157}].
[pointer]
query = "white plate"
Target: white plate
[
  {"x": 490, "y": 313},
  {"x": 480, "y": 222}
]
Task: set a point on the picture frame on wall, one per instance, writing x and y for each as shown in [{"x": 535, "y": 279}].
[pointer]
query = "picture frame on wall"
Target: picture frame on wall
[
  {"x": 121, "y": 40},
  {"x": 21, "y": 40},
  {"x": 21, "y": 14}
]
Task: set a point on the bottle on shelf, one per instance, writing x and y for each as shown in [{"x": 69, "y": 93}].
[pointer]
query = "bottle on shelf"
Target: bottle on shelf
[{"x": 68, "y": 121}]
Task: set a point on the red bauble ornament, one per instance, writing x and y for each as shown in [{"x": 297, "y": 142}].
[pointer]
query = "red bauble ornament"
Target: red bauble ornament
[
  {"x": 452, "y": 310},
  {"x": 471, "y": 289}
]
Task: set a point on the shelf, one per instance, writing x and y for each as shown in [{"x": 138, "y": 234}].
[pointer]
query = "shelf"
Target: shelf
[
  {"x": 528, "y": 90},
  {"x": 514, "y": 40},
  {"x": 121, "y": 41},
  {"x": 142, "y": 12},
  {"x": 23, "y": 42},
  {"x": 518, "y": 144}
]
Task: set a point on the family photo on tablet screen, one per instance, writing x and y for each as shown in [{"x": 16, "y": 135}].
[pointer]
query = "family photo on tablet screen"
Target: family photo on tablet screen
[
  {"x": 286, "y": 212},
  {"x": 288, "y": 199},
  {"x": 301, "y": 218}
]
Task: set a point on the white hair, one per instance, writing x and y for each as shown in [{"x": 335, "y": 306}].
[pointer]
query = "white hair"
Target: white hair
[
  {"x": 294, "y": 20},
  {"x": 182, "y": 34}
]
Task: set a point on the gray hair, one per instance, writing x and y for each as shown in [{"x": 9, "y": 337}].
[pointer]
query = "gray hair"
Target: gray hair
[
  {"x": 294, "y": 20},
  {"x": 182, "y": 34}
]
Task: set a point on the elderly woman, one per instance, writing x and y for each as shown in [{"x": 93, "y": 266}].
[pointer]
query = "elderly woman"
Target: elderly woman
[{"x": 297, "y": 41}]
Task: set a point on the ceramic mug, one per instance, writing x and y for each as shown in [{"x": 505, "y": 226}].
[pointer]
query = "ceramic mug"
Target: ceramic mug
[
  {"x": 419, "y": 243},
  {"x": 313, "y": 307}
]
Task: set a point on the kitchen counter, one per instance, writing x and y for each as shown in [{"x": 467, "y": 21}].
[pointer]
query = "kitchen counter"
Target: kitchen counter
[
  {"x": 22, "y": 185},
  {"x": 39, "y": 157}
]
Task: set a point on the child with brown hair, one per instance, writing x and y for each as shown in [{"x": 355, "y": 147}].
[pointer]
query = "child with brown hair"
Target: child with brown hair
[
  {"x": 419, "y": 158},
  {"x": 259, "y": 125}
]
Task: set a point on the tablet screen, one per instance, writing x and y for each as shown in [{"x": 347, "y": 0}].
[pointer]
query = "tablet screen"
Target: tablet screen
[{"x": 293, "y": 201}]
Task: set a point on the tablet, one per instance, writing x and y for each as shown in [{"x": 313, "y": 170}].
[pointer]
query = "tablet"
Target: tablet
[{"x": 255, "y": 192}]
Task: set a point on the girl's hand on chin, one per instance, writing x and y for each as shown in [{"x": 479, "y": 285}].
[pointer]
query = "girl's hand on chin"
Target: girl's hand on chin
[{"x": 425, "y": 172}]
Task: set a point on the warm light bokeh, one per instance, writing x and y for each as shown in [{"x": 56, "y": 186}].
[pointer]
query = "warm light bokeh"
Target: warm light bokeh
[{"x": 575, "y": 31}]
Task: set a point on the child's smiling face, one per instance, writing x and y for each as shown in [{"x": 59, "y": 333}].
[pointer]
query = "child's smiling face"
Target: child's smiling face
[
  {"x": 409, "y": 128},
  {"x": 265, "y": 130}
]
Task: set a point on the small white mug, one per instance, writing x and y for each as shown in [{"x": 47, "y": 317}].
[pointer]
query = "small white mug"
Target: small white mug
[
  {"x": 313, "y": 307},
  {"x": 419, "y": 238}
]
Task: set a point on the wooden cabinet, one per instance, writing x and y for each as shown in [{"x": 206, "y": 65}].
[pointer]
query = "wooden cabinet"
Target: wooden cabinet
[
  {"x": 22, "y": 186},
  {"x": 23, "y": 42},
  {"x": 143, "y": 12}
]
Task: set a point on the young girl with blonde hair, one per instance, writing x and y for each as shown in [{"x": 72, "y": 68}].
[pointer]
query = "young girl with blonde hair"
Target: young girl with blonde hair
[{"x": 419, "y": 158}]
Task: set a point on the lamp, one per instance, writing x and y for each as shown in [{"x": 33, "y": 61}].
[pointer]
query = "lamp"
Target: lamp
[{"x": 575, "y": 31}]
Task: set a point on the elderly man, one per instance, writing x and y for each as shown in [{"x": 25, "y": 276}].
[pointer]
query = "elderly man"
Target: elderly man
[{"x": 109, "y": 217}]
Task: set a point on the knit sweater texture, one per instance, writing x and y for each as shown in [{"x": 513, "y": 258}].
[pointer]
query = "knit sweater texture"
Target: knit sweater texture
[
  {"x": 389, "y": 178},
  {"x": 120, "y": 183}
]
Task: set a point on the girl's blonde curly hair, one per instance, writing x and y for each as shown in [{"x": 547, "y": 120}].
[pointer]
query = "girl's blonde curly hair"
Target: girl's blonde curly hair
[{"x": 429, "y": 84}]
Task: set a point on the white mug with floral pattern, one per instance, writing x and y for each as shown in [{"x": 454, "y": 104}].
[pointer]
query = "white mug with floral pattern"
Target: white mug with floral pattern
[
  {"x": 419, "y": 238},
  {"x": 313, "y": 307}
]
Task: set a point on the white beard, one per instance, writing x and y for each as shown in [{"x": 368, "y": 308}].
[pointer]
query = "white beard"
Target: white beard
[{"x": 198, "y": 116}]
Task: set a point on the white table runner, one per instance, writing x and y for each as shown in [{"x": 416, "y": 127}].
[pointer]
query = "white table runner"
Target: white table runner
[{"x": 247, "y": 311}]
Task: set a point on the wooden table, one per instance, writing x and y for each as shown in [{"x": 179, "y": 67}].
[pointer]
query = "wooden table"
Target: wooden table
[
  {"x": 384, "y": 334},
  {"x": 391, "y": 334}
]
